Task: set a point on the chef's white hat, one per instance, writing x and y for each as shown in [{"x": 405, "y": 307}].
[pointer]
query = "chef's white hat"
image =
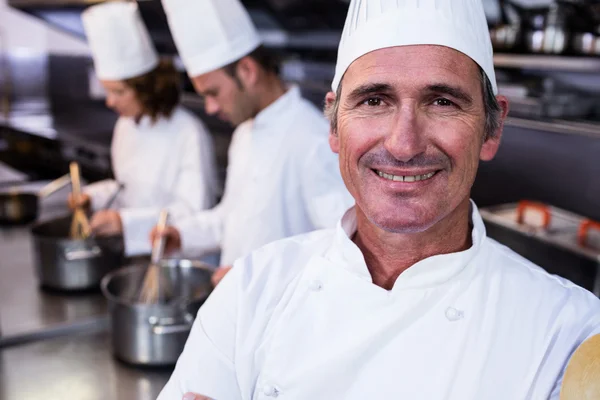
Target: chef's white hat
[
  {"x": 378, "y": 24},
  {"x": 210, "y": 34},
  {"x": 119, "y": 41}
]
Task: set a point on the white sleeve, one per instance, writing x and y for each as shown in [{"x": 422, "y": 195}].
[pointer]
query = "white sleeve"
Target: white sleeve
[
  {"x": 206, "y": 365},
  {"x": 325, "y": 195},
  {"x": 100, "y": 193}
]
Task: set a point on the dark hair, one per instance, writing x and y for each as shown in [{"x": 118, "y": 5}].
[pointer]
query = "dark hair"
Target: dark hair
[
  {"x": 158, "y": 90},
  {"x": 265, "y": 58}
]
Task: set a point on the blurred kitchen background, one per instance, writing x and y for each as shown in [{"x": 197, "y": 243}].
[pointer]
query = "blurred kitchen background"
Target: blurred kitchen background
[
  {"x": 52, "y": 112},
  {"x": 547, "y": 59}
]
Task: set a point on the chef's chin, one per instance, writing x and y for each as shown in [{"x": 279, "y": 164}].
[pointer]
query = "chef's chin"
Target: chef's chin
[{"x": 404, "y": 217}]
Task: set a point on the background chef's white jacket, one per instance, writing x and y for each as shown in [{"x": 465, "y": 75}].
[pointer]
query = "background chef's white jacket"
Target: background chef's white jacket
[
  {"x": 282, "y": 180},
  {"x": 169, "y": 164},
  {"x": 301, "y": 319}
]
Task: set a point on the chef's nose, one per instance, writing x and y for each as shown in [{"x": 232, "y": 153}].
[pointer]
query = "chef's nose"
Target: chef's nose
[
  {"x": 405, "y": 139},
  {"x": 211, "y": 106},
  {"x": 110, "y": 101}
]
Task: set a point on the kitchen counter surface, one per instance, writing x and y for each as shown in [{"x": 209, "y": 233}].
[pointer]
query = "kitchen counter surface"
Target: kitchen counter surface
[
  {"x": 79, "y": 367},
  {"x": 26, "y": 311}
]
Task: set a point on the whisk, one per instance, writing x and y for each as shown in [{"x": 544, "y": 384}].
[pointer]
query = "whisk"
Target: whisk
[
  {"x": 80, "y": 226},
  {"x": 154, "y": 285}
]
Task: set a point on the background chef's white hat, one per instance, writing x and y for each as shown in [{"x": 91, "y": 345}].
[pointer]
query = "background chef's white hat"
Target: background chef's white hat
[
  {"x": 210, "y": 34},
  {"x": 378, "y": 24},
  {"x": 119, "y": 41}
]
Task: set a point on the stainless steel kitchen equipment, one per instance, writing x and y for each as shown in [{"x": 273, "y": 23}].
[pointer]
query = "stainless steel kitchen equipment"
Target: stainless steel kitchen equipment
[
  {"x": 559, "y": 241},
  {"x": 506, "y": 35},
  {"x": 18, "y": 207},
  {"x": 155, "y": 334},
  {"x": 66, "y": 264}
]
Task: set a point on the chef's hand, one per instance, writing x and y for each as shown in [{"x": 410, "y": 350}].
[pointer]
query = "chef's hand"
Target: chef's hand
[
  {"x": 172, "y": 238},
  {"x": 106, "y": 223},
  {"x": 192, "y": 396},
  {"x": 219, "y": 274},
  {"x": 83, "y": 201}
]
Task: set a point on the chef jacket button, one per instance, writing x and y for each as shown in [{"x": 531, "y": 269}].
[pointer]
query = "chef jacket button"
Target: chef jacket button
[
  {"x": 316, "y": 286},
  {"x": 270, "y": 391},
  {"x": 453, "y": 314}
]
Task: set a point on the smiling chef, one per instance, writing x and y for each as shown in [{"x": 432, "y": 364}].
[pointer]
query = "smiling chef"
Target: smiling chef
[
  {"x": 161, "y": 153},
  {"x": 407, "y": 298}
]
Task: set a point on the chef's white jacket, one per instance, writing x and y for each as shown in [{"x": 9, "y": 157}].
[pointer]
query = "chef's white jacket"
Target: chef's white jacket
[
  {"x": 301, "y": 319},
  {"x": 282, "y": 180},
  {"x": 168, "y": 164}
]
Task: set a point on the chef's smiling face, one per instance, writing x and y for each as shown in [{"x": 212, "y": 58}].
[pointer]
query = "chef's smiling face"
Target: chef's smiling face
[
  {"x": 410, "y": 134},
  {"x": 122, "y": 98}
]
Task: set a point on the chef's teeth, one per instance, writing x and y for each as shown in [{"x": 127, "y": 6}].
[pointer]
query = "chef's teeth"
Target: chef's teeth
[{"x": 397, "y": 178}]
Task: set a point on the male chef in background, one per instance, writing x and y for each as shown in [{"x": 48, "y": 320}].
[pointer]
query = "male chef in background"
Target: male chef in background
[
  {"x": 407, "y": 298},
  {"x": 282, "y": 177}
]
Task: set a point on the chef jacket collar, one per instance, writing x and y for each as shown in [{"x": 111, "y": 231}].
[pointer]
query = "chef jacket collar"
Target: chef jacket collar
[
  {"x": 278, "y": 109},
  {"x": 429, "y": 272}
]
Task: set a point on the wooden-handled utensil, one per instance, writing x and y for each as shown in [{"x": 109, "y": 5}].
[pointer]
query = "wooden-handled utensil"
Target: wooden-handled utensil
[
  {"x": 80, "y": 226},
  {"x": 154, "y": 286}
]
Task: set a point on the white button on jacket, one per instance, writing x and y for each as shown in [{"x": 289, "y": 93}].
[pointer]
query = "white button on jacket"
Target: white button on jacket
[{"x": 480, "y": 324}]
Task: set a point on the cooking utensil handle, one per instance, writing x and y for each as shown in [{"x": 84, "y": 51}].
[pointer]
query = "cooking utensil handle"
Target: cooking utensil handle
[
  {"x": 585, "y": 227},
  {"x": 75, "y": 179},
  {"x": 54, "y": 186},
  {"x": 171, "y": 329},
  {"x": 82, "y": 254},
  {"x": 524, "y": 205},
  {"x": 158, "y": 247},
  {"x": 114, "y": 196}
]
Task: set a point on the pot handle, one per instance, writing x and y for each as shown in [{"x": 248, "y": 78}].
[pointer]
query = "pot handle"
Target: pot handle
[
  {"x": 82, "y": 254},
  {"x": 166, "y": 326},
  {"x": 584, "y": 228},
  {"x": 526, "y": 204}
]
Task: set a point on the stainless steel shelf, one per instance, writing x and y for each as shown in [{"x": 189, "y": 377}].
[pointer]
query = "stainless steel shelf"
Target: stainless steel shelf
[
  {"x": 547, "y": 63},
  {"x": 588, "y": 129}
]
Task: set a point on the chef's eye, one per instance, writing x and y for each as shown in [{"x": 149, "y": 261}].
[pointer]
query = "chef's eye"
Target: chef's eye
[
  {"x": 443, "y": 102},
  {"x": 373, "y": 102}
]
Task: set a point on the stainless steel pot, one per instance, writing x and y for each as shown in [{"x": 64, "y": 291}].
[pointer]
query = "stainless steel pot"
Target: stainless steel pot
[
  {"x": 66, "y": 264},
  {"x": 155, "y": 334},
  {"x": 18, "y": 207}
]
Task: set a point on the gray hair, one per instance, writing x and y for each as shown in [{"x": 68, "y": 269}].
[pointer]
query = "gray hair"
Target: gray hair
[{"x": 491, "y": 106}]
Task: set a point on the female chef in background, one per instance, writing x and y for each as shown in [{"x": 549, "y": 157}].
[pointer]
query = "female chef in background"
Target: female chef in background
[{"x": 161, "y": 153}]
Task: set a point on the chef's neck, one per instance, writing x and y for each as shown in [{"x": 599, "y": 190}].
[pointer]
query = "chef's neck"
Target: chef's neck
[
  {"x": 270, "y": 89},
  {"x": 389, "y": 254}
]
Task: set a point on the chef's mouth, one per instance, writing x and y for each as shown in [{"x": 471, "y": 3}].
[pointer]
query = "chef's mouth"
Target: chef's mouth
[{"x": 406, "y": 178}]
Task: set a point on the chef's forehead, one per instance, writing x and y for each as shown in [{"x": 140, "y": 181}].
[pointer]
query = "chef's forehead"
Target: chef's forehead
[{"x": 393, "y": 62}]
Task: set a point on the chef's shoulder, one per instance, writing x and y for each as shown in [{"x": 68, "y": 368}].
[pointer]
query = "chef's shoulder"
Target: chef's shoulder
[
  {"x": 268, "y": 272},
  {"x": 185, "y": 123},
  {"x": 567, "y": 308},
  {"x": 310, "y": 127}
]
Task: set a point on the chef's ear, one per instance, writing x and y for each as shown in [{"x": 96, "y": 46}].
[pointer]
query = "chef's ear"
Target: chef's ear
[
  {"x": 331, "y": 114},
  {"x": 247, "y": 70}
]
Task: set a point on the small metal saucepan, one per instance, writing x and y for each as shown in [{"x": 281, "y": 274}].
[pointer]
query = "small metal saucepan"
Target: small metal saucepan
[
  {"x": 19, "y": 207},
  {"x": 67, "y": 264},
  {"x": 155, "y": 334}
]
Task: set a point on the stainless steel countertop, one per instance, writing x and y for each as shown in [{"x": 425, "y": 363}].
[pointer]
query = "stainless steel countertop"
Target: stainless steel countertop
[
  {"x": 27, "y": 310},
  {"x": 79, "y": 367}
]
